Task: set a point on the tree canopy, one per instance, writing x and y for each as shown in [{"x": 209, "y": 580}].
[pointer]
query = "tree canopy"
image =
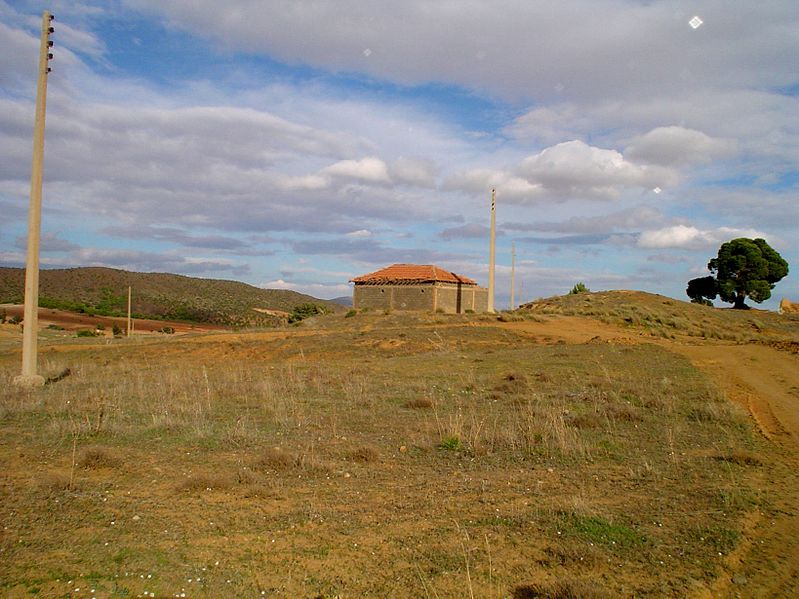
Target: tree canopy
[{"x": 743, "y": 268}]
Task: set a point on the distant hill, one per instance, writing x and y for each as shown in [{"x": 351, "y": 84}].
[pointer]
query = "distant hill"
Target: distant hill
[
  {"x": 157, "y": 295},
  {"x": 344, "y": 300}
]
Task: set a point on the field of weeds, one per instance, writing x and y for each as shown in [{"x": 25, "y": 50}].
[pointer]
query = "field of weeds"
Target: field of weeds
[{"x": 384, "y": 456}]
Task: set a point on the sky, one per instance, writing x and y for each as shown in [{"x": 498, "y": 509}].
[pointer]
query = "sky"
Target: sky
[{"x": 295, "y": 144}]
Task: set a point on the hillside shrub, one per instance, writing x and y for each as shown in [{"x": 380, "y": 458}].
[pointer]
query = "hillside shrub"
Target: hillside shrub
[
  {"x": 579, "y": 288},
  {"x": 509, "y": 317},
  {"x": 350, "y": 313},
  {"x": 86, "y": 333},
  {"x": 303, "y": 311}
]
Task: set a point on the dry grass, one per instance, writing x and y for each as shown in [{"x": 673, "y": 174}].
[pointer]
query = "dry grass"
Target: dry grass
[
  {"x": 664, "y": 317},
  {"x": 54, "y": 483},
  {"x": 741, "y": 457},
  {"x": 322, "y": 453},
  {"x": 97, "y": 457},
  {"x": 563, "y": 589},
  {"x": 419, "y": 403},
  {"x": 364, "y": 454},
  {"x": 205, "y": 482},
  {"x": 276, "y": 460}
]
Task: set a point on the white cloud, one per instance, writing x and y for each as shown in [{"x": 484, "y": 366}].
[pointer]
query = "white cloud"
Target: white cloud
[
  {"x": 302, "y": 183},
  {"x": 414, "y": 171},
  {"x": 480, "y": 181},
  {"x": 78, "y": 40},
  {"x": 367, "y": 169},
  {"x": 360, "y": 233},
  {"x": 516, "y": 48},
  {"x": 762, "y": 125},
  {"x": 688, "y": 237},
  {"x": 468, "y": 231},
  {"x": 633, "y": 218},
  {"x": 570, "y": 170},
  {"x": 677, "y": 146},
  {"x": 576, "y": 169},
  {"x": 49, "y": 242}
]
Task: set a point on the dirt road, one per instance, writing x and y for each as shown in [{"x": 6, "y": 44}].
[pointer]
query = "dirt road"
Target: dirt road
[{"x": 766, "y": 382}]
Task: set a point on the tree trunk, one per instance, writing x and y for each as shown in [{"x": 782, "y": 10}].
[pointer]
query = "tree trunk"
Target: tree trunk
[{"x": 739, "y": 301}]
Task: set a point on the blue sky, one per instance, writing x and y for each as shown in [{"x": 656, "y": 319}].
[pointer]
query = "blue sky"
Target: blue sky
[{"x": 296, "y": 144}]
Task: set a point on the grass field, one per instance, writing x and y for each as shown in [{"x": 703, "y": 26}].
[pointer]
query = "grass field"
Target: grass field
[{"x": 384, "y": 456}]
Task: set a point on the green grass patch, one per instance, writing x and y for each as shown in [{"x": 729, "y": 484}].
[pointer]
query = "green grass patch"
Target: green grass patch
[{"x": 598, "y": 530}]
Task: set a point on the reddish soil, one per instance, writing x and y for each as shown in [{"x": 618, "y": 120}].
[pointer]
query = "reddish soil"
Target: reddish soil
[{"x": 74, "y": 321}]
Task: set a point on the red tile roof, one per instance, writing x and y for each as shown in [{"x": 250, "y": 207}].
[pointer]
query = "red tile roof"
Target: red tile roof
[{"x": 416, "y": 273}]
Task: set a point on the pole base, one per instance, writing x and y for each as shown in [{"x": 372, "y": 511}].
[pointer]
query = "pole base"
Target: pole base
[{"x": 29, "y": 381}]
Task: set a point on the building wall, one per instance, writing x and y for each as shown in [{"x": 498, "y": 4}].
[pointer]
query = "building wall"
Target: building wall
[
  {"x": 393, "y": 297},
  {"x": 446, "y": 297}
]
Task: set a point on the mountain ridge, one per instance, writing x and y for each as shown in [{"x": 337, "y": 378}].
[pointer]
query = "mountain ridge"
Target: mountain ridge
[{"x": 103, "y": 290}]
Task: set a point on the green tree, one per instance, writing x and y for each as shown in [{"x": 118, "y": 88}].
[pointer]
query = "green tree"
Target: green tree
[
  {"x": 579, "y": 288},
  {"x": 702, "y": 290},
  {"x": 743, "y": 268}
]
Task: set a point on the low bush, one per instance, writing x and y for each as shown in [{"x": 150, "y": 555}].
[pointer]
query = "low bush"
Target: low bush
[
  {"x": 364, "y": 454},
  {"x": 579, "y": 288},
  {"x": 97, "y": 457},
  {"x": 419, "y": 403},
  {"x": 303, "y": 311}
]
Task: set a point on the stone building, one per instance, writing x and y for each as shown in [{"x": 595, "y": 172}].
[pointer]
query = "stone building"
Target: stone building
[{"x": 418, "y": 287}]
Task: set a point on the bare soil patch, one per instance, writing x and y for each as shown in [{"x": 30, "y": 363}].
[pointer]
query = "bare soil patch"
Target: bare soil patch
[{"x": 74, "y": 321}]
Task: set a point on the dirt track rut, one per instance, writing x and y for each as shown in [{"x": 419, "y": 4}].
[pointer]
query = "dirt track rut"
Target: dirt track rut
[{"x": 766, "y": 382}]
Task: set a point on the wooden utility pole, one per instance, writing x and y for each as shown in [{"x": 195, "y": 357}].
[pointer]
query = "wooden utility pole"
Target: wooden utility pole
[
  {"x": 492, "y": 250},
  {"x": 29, "y": 376},
  {"x": 513, "y": 276},
  {"x": 128, "y": 329}
]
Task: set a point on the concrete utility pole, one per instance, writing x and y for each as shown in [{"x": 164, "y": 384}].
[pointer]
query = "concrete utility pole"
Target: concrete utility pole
[
  {"x": 29, "y": 376},
  {"x": 128, "y": 329},
  {"x": 513, "y": 276},
  {"x": 492, "y": 250}
]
